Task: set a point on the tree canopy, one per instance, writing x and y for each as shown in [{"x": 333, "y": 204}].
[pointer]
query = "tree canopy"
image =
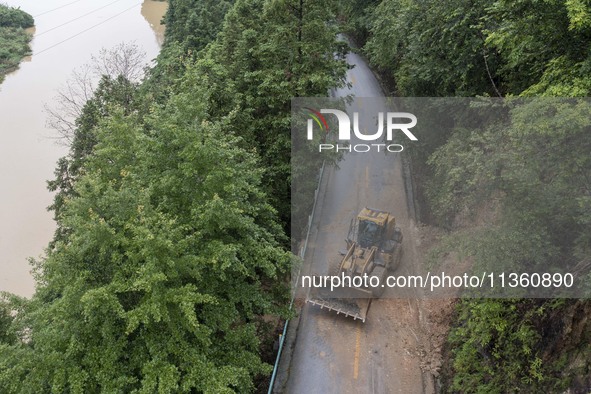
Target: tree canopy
[
  {"x": 14, "y": 40},
  {"x": 527, "y": 172},
  {"x": 170, "y": 267}
]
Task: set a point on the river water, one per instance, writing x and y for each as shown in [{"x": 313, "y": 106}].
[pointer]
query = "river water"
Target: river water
[{"x": 67, "y": 33}]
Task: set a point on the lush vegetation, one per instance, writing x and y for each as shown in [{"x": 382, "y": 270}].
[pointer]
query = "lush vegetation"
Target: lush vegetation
[
  {"x": 515, "y": 195},
  {"x": 14, "y": 40},
  {"x": 170, "y": 266}
]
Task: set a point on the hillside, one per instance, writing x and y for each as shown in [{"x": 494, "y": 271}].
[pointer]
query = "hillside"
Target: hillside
[{"x": 514, "y": 195}]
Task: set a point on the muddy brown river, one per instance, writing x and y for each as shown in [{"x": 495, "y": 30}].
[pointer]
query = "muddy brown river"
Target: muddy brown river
[{"x": 67, "y": 32}]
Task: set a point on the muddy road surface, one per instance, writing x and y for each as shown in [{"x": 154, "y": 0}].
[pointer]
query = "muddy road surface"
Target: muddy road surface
[{"x": 333, "y": 353}]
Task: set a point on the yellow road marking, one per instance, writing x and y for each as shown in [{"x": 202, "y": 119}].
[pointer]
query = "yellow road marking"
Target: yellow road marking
[
  {"x": 353, "y": 81},
  {"x": 357, "y": 350}
]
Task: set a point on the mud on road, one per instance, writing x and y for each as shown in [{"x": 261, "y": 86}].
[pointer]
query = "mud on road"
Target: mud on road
[{"x": 397, "y": 349}]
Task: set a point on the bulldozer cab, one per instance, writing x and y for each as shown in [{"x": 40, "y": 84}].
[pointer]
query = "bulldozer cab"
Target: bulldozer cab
[
  {"x": 370, "y": 233},
  {"x": 373, "y": 227}
]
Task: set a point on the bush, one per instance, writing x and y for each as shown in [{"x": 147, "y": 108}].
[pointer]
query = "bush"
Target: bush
[
  {"x": 14, "y": 17},
  {"x": 14, "y": 40}
]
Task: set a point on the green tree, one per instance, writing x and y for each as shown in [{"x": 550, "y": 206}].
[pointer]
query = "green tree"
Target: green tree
[
  {"x": 171, "y": 255},
  {"x": 433, "y": 48},
  {"x": 6, "y": 319},
  {"x": 533, "y": 38},
  {"x": 110, "y": 92},
  {"x": 168, "y": 268},
  {"x": 195, "y": 23},
  {"x": 14, "y": 17},
  {"x": 14, "y": 40},
  {"x": 497, "y": 347},
  {"x": 267, "y": 53}
]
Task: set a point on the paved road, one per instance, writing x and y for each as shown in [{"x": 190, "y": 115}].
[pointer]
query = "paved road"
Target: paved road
[{"x": 334, "y": 354}]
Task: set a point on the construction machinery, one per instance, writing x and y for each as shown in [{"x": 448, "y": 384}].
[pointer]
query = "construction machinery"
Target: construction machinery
[{"x": 373, "y": 248}]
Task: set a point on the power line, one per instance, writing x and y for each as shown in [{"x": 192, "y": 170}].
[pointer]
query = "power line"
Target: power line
[
  {"x": 85, "y": 30},
  {"x": 75, "y": 19},
  {"x": 57, "y": 8}
]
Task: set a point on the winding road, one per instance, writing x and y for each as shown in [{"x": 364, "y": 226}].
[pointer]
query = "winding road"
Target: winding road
[{"x": 335, "y": 354}]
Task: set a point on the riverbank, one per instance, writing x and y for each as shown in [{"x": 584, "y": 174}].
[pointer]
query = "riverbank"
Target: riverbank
[
  {"x": 66, "y": 38},
  {"x": 14, "y": 39}
]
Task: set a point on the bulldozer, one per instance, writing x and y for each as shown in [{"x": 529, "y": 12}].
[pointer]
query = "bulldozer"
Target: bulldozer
[{"x": 373, "y": 248}]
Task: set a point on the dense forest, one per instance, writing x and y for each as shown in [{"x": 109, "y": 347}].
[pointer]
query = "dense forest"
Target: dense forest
[
  {"x": 529, "y": 176},
  {"x": 14, "y": 40},
  {"x": 169, "y": 269}
]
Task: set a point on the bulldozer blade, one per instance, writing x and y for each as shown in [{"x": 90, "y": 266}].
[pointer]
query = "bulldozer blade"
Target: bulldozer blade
[{"x": 348, "y": 305}]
